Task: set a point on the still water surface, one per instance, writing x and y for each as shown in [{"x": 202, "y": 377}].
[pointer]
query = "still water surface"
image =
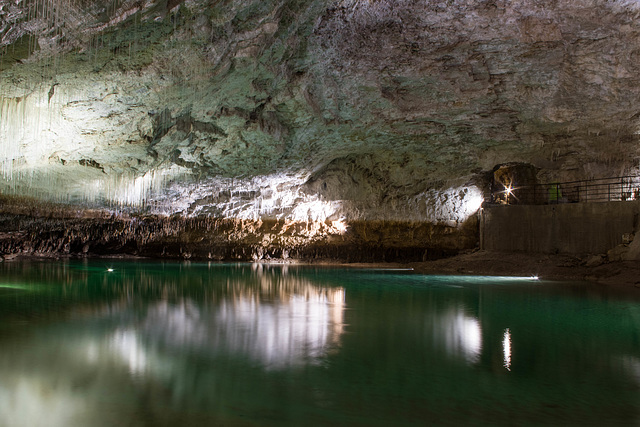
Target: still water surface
[{"x": 174, "y": 344}]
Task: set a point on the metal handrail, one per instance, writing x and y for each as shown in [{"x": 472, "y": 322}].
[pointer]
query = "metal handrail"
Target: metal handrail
[{"x": 623, "y": 188}]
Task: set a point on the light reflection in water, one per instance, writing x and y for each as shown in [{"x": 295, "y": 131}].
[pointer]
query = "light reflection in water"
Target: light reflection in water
[
  {"x": 506, "y": 349},
  {"x": 126, "y": 346},
  {"x": 460, "y": 333},
  {"x": 295, "y": 329},
  {"x": 283, "y": 321},
  {"x": 31, "y": 400},
  {"x": 240, "y": 345},
  {"x": 631, "y": 365},
  {"x": 292, "y": 330}
]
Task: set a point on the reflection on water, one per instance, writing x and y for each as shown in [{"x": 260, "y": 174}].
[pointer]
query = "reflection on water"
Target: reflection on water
[
  {"x": 506, "y": 349},
  {"x": 215, "y": 344},
  {"x": 460, "y": 333},
  {"x": 293, "y": 329},
  {"x": 143, "y": 320},
  {"x": 125, "y": 345}
]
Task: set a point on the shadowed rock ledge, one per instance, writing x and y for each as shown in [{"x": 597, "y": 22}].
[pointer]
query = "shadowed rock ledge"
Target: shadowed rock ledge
[{"x": 57, "y": 231}]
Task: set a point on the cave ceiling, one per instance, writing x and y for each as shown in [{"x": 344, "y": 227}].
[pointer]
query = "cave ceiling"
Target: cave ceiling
[{"x": 213, "y": 106}]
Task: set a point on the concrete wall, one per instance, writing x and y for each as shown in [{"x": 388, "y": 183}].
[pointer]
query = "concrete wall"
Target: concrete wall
[{"x": 576, "y": 228}]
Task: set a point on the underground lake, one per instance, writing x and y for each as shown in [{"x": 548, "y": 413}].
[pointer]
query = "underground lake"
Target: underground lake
[{"x": 141, "y": 343}]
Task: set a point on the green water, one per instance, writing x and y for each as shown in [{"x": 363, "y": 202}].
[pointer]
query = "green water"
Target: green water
[{"x": 171, "y": 344}]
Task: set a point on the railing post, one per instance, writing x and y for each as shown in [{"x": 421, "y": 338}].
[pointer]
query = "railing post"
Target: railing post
[{"x": 608, "y": 192}]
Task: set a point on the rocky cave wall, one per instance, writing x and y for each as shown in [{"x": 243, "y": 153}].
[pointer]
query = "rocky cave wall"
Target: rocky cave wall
[{"x": 312, "y": 111}]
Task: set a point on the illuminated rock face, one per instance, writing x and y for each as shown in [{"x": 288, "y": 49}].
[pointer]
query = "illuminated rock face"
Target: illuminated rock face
[{"x": 311, "y": 110}]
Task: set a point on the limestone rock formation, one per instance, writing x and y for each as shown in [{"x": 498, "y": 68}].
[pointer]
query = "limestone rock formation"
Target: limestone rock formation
[{"x": 312, "y": 110}]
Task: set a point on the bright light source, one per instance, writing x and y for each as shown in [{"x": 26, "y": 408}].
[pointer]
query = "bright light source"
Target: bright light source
[
  {"x": 340, "y": 225},
  {"x": 535, "y": 277},
  {"x": 509, "y": 190},
  {"x": 109, "y": 269}
]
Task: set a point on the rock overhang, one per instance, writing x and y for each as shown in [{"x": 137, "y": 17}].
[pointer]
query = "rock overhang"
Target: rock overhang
[{"x": 327, "y": 110}]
